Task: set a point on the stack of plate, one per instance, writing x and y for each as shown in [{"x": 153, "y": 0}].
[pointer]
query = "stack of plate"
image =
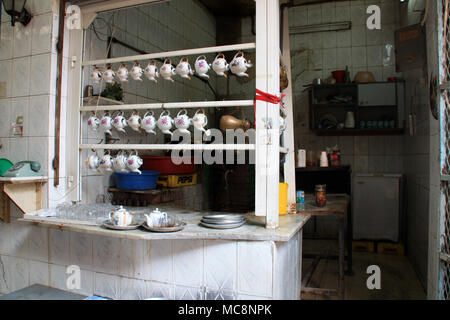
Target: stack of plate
[{"x": 223, "y": 221}]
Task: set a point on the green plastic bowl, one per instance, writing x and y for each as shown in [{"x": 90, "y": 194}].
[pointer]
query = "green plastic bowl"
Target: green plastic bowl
[{"x": 5, "y": 164}]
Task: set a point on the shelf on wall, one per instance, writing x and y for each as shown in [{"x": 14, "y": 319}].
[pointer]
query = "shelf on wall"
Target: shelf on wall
[
  {"x": 171, "y": 105},
  {"x": 360, "y": 132},
  {"x": 194, "y": 146},
  {"x": 178, "y": 53}
]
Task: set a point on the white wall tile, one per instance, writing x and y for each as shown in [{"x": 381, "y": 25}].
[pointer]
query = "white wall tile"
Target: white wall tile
[
  {"x": 41, "y": 33},
  {"x": 221, "y": 265},
  {"x": 6, "y": 36},
  {"x": 59, "y": 247},
  {"x": 255, "y": 268},
  {"x": 39, "y": 116},
  {"x": 40, "y": 74},
  {"x": 106, "y": 285},
  {"x": 22, "y": 40},
  {"x": 105, "y": 254},
  {"x": 20, "y": 77},
  {"x": 38, "y": 244},
  {"x": 81, "y": 250},
  {"x": 16, "y": 274},
  {"x": 39, "y": 273},
  {"x": 188, "y": 262},
  {"x": 161, "y": 260}
]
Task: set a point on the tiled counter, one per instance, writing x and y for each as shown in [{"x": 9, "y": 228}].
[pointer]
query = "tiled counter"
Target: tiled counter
[{"x": 197, "y": 263}]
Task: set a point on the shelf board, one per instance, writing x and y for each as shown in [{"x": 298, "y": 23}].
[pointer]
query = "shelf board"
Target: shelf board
[
  {"x": 178, "y": 53},
  {"x": 93, "y": 100},
  {"x": 347, "y": 105},
  {"x": 168, "y": 146},
  {"x": 171, "y": 105},
  {"x": 360, "y": 132}
]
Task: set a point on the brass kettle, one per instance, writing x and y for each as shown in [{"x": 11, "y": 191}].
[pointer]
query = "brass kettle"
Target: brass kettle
[{"x": 230, "y": 122}]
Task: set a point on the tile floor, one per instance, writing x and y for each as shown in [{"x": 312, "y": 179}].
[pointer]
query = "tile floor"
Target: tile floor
[{"x": 398, "y": 278}]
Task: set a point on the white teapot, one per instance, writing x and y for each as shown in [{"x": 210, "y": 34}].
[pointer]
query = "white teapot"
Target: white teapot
[
  {"x": 148, "y": 123},
  {"x": 134, "y": 162},
  {"x": 96, "y": 75},
  {"x": 122, "y": 73},
  {"x": 134, "y": 121},
  {"x": 156, "y": 219},
  {"x": 165, "y": 122},
  {"x": 93, "y": 122},
  {"x": 182, "y": 121},
  {"x": 184, "y": 69},
  {"x": 151, "y": 71},
  {"x": 120, "y": 122},
  {"x": 109, "y": 75},
  {"x": 121, "y": 217},
  {"x": 106, "y": 162},
  {"x": 202, "y": 66},
  {"x": 167, "y": 70},
  {"x": 120, "y": 162},
  {"x": 93, "y": 162},
  {"x": 136, "y": 71},
  {"x": 200, "y": 121},
  {"x": 239, "y": 65},
  {"x": 220, "y": 65},
  {"x": 106, "y": 123}
]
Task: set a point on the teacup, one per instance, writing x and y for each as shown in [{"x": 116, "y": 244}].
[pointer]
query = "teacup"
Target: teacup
[
  {"x": 167, "y": 70},
  {"x": 182, "y": 121},
  {"x": 120, "y": 122},
  {"x": 96, "y": 75},
  {"x": 106, "y": 123},
  {"x": 220, "y": 65},
  {"x": 109, "y": 75},
  {"x": 165, "y": 122},
  {"x": 120, "y": 162},
  {"x": 122, "y": 73},
  {"x": 151, "y": 71},
  {"x": 200, "y": 121},
  {"x": 184, "y": 69},
  {"x": 239, "y": 65},
  {"x": 202, "y": 66},
  {"x": 136, "y": 72},
  {"x": 121, "y": 217},
  {"x": 134, "y": 162},
  {"x": 134, "y": 121},
  {"x": 93, "y": 123},
  {"x": 106, "y": 162},
  {"x": 148, "y": 123},
  {"x": 93, "y": 162}
]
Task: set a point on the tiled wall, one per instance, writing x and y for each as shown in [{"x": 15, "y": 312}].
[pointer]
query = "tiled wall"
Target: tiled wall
[
  {"x": 315, "y": 55},
  {"x": 130, "y": 269},
  {"x": 421, "y": 149}
]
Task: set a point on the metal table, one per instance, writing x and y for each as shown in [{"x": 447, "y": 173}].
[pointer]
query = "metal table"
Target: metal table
[{"x": 337, "y": 206}]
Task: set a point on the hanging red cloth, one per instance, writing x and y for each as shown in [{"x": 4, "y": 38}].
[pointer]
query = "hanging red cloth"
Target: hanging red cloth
[{"x": 267, "y": 97}]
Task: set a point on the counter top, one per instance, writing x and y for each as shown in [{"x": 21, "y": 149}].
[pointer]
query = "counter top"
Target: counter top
[{"x": 254, "y": 229}]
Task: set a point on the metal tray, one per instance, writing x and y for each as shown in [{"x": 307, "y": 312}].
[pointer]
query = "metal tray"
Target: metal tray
[
  {"x": 108, "y": 225},
  {"x": 222, "y": 226},
  {"x": 224, "y": 221},
  {"x": 233, "y": 217},
  {"x": 177, "y": 227}
]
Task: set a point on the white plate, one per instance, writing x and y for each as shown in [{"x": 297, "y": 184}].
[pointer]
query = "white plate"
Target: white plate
[
  {"x": 108, "y": 225},
  {"x": 222, "y": 226},
  {"x": 234, "y": 217},
  {"x": 224, "y": 221}
]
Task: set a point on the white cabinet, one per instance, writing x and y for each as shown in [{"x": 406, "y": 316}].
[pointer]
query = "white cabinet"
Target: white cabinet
[
  {"x": 377, "y": 94},
  {"x": 376, "y": 207}
]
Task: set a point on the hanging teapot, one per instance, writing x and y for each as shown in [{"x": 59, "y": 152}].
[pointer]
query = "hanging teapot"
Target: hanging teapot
[
  {"x": 220, "y": 65},
  {"x": 151, "y": 71},
  {"x": 165, "y": 122},
  {"x": 136, "y": 71},
  {"x": 167, "y": 70},
  {"x": 184, "y": 69},
  {"x": 148, "y": 122},
  {"x": 122, "y": 73},
  {"x": 96, "y": 75},
  {"x": 202, "y": 66},
  {"x": 239, "y": 65}
]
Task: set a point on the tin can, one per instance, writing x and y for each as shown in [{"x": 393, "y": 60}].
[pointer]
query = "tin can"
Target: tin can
[{"x": 300, "y": 200}]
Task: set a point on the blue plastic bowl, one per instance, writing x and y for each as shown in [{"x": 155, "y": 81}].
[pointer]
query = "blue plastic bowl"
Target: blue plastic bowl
[{"x": 135, "y": 181}]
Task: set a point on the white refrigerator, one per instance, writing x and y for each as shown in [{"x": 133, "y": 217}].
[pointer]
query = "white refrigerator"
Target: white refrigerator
[{"x": 377, "y": 206}]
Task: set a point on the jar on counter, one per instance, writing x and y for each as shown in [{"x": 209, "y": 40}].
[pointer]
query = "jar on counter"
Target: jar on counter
[{"x": 321, "y": 195}]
